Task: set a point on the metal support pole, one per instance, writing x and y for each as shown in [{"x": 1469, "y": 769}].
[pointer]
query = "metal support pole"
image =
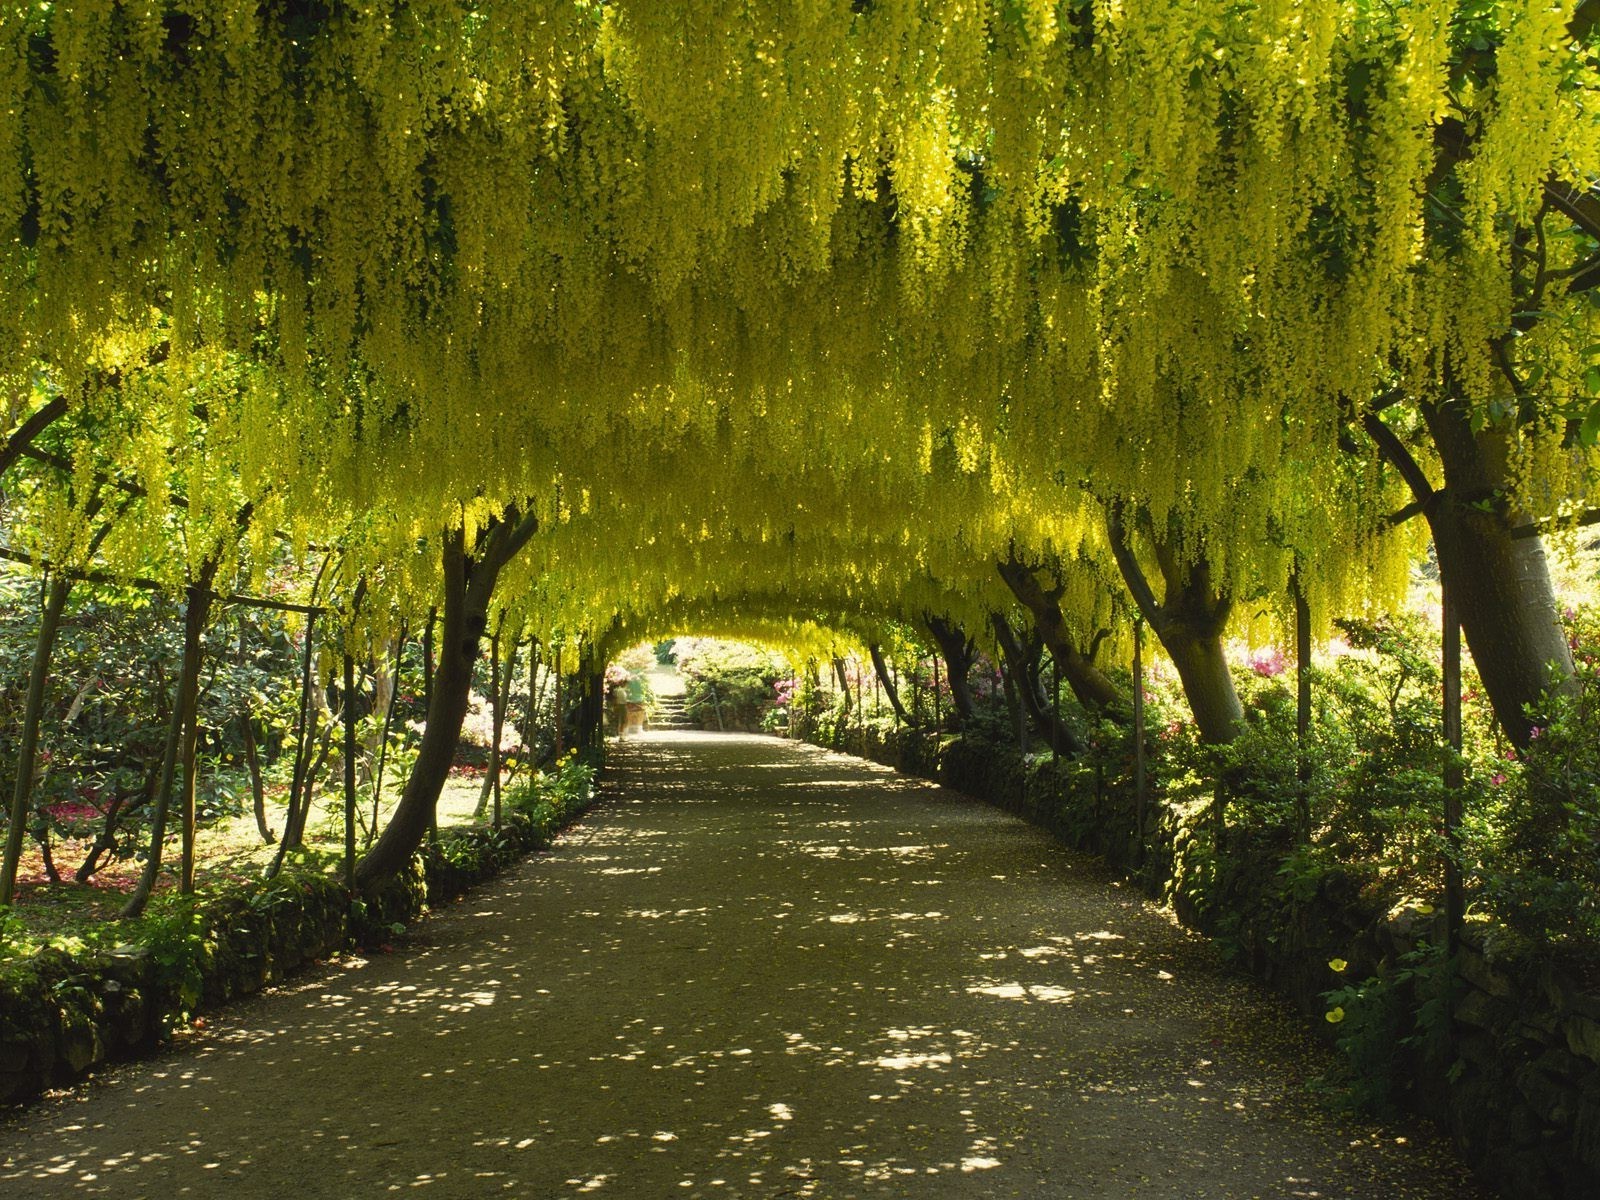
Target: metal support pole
[
  {"x": 1454, "y": 900},
  {"x": 1139, "y": 800},
  {"x": 349, "y": 715}
]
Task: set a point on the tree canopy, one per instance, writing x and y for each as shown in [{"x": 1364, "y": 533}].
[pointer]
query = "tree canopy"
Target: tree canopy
[{"x": 799, "y": 312}]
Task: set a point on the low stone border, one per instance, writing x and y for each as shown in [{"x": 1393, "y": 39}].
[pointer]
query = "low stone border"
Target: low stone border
[
  {"x": 1515, "y": 1079},
  {"x": 61, "y": 1016}
]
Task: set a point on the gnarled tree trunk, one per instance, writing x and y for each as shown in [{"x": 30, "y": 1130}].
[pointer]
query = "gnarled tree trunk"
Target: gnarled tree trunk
[
  {"x": 1189, "y": 619},
  {"x": 959, "y": 653},
  {"x": 1089, "y": 684}
]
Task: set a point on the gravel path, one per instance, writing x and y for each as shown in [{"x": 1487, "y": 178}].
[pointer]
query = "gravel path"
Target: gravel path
[{"x": 757, "y": 970}]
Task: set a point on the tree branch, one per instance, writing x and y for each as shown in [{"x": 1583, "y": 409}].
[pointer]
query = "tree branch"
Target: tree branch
[
  {"x": 18, "y": 442},
  {"x": 1132, "y": 573},
  {"x": 1393, "y": 449},
  {"x": 1590, "y": 516}
]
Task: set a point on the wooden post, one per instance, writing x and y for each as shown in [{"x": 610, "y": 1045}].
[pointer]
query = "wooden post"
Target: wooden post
[
  {"x": 861, "y": 713},
  {"x": 1454, "y": 900},
  {"x": 427, "y": 702},
  {"x": 1139, "y": 801},
  {"x": 533, "y": 677},
  {"x": 188, "y": 756},
  {"x": 917, "y": 740}
]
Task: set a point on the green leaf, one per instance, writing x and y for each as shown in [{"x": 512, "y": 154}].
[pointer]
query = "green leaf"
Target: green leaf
[{"x": 1589, "y": 431}]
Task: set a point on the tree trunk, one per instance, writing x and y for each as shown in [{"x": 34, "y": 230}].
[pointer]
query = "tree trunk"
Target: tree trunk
[
  {"x": 499, "y": 701},
  {"x": 385, "y": 682},
  {"x": 308, "y": 763},
  {"x": 1500, "y": 582},
  {"x": 959, "y": 653},
  {"x": 887, "y": 680},
  {"x": 183, "y": 715},
  {"x": 28, "y": 745},
  {"x": 1025, "y": 678},
  {"x": 1500, "y": 579},
  {"x": 464, "y": 619},
  {"x": 468, "y": 586},
  {"x": 844, "y": 681},
  {"x": 589, "y": 713},
  {"x": 1093, "y": 689},
  {"x": 1189, "y": 619},
  {"x": 258, "y": 790}
]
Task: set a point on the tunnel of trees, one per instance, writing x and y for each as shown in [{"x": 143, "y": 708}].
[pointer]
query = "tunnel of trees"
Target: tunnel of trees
[{"x": 355, "y": 354}]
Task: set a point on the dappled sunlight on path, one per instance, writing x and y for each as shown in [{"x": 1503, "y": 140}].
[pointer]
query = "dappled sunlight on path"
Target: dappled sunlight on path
[{"x": 757, "y": 970}]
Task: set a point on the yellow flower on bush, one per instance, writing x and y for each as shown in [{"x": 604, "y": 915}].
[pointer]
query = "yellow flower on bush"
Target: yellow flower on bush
[
  {"x": 1335, "y": 1015},
  {"x": 1337, "y": 965}
]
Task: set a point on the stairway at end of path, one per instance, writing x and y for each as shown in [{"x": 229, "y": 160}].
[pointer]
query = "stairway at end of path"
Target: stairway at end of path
[{"x": 671, "y": 713}]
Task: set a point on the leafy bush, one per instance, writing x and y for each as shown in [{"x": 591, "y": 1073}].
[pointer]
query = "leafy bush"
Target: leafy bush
[
  {"x": 1540, "y": 865},
  {"x": 728, "y": 685}
]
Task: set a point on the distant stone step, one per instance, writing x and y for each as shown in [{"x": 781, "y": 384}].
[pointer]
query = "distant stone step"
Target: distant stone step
[{"x": 671, "y": 713}]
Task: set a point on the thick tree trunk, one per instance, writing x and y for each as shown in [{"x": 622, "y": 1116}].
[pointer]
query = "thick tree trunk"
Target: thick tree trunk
[
  {"x": 1025, "y": 677},
  {"x": 1207, "y": 681},
  {"x": 28, "y": 745},
  {"x": 959, "y": 653},
  {"x": 183, "y": 715},
  {"x": 1500, "y": 582},
  {"x": 1093, "y": 689},
  {"x": 468, "y": 586},
  {"x": 887, "y": 680},
  {"x": 1189, "y": 619}
]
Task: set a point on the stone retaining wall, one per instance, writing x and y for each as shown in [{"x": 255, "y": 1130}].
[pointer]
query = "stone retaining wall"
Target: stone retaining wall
[{"x": 63, "y": 1015}]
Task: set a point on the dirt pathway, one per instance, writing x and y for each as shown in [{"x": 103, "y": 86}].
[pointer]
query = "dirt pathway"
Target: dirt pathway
[{"x": 757, "y": 970}]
